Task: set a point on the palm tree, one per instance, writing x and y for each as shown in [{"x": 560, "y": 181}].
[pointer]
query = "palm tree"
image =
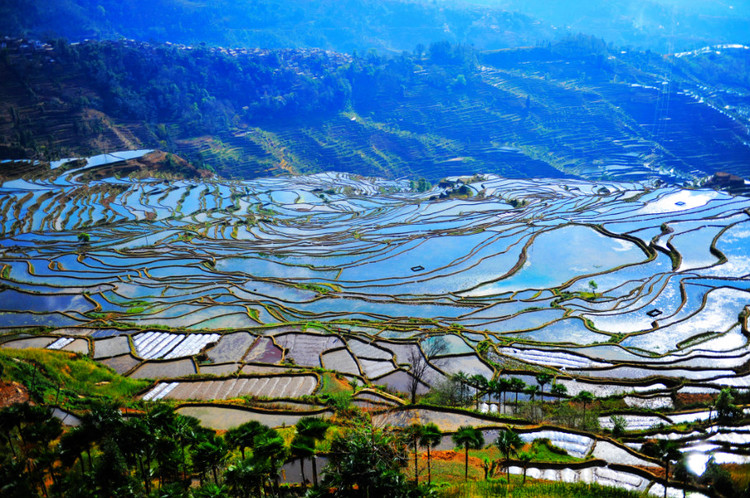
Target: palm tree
[
  {"x": 316, "y": 429},
  {"x": 665, "y": 451},
  {"x": 243, "y": 435},
  {"x": 243, "y": 477},
  {"x": 211, "y": 453},
  {"x": 300, "y": 448},
  {"x": 517, "y": 385},
  {"x": 269, "y": 447},
  {"x": 463, "y": 381},
  {"x": 470, "y": 438},
  {"x": 584, "y": 397},
  {"x": 543, "y": 379},
  {"x": 531, "y": 392},
  {"x": 492, "y": 389},
  {"x": 508, "y": 442},
  {"x": 431, "y": 436},
  {"x": 525, "y": 458},
  {"x": 504, "y": 385},
  {"x": 559, "y": 390},
  {"x": 479, "y": 383},
  {"x": 412, "y": 434}
]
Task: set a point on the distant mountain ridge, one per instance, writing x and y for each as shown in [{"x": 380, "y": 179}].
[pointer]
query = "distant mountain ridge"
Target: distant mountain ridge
[
  {"x": 340, "y": 25},
  {"x": 575, "y": 108},
  {"x": 385, "y": 25}
]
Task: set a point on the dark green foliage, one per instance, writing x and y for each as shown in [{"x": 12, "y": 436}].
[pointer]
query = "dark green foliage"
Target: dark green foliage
[
  {"x": 469, "y": 438},
  {"x": 391, "y": 25},
  {"x": 508, "y": 442},
  {"x": 666, "y": 452},
  {"x": 366, "y": 462}
]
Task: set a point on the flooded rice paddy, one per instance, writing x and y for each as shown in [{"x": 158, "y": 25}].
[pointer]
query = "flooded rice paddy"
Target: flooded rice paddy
[{"x": 619, "y": 288}]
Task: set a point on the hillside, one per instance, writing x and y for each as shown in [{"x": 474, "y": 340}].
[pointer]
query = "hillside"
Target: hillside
[
  {"x": 575, "y": 108},
  {"x": 385, "y": 25},
  {"x": 341, "y": 25}
]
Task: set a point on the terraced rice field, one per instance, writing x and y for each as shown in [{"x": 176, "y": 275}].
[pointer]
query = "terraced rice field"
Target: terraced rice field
[{"x": 633, "y": 290}]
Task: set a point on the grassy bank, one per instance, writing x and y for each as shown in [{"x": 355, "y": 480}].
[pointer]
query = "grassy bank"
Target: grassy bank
[{"x": 534, "y": 490}]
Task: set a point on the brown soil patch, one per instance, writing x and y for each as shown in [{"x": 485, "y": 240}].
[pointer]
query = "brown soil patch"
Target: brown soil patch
[
  {"x": 657, "y": 471},
  {"x": 454, "y": 456},
  {"x": 688, "y": 399},
  {"x": 11, "y": 393}
]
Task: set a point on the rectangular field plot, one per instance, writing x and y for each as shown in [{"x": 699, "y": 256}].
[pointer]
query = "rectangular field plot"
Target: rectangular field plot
[
  {"x": 164, "y": 369},
  {"x": 231, "y": 347},
  {"x": 306, "y": 349},
  {"x": 270, "y": 387},
  {"x": 151, "y": 345}
]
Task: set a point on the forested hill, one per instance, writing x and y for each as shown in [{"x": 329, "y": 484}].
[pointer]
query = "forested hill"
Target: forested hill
[
  {"x": 385, "y": 25},
  {"x": 576, "y": 108},
  {"x": 341, "y": 25}
]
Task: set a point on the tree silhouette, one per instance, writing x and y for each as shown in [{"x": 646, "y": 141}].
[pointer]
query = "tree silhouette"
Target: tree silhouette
[
  {"x": 412, "y": 434},
  {"x": 543, "y": 379},
  {"x": 525, "y": 458},
  {"x": 431, "y": 436},
  {"x": 316, "y": 429},
  {"x": 504, "y": 385},
  {"x": 665, "y": 451},
  {"x": 243, "y": 435},
  {"x": 517, "y": 385},
  {"x": 300, "y": 448},
  {"x": 584, "y": 397},
  {"x": 559, "y": 390},
  {"x": 469, "y": 438},
  {"x": 508, "y": 441},
  {"x": 269, "y": 446}
]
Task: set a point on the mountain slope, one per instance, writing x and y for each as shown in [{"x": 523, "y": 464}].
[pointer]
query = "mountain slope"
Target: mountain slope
[{"x": 574, "y": 108}]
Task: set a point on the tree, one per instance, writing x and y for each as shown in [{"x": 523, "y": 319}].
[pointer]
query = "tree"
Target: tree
[
  {"x": 316, "y": 429},
  {"x": 269, "y": 447},
  {"x": 413, "y": 433},
  {"x": 726, "y": 410},
  {"x": 531, "y": 392},
  {"x": 559, "y": 390},
  {"x": 682, "y": 473},
  {"x": 665, "y": 451},
  {"x": 431, "y": 436},
  {"x": 593, "y": 286},
  {"x": 584, "y": 397},
  {"x": 300, "y": 448},
  {"x": 619, "y": 425},
  {"x": 365, "y": 462},
  {"x": 508, "y": 441},
  {"x": 525, "y": 458},
  {"x": 543, "y": 379},
  {"x": 489, "y": 467},
  {"x": 480, "y": 385},
  {"x": 211, "y": 454},
  {"x": 244, "y": 478},
  {"x": 504, "y": 385},
  {"x": 418, "y": 367},
  {"x": 463, "y": 382},
  {"x": 469, "y": 438},
  {"x": 84, "y": 238},
  {"x": 419, "y": 363},
  {"x": 243, "y": 435},
  {"x": 493, "y": 389},
  {"x": 517, "y": 385}
]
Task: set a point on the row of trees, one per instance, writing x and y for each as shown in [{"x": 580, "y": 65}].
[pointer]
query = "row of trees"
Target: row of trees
[{"x": 154, "y": 453}]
